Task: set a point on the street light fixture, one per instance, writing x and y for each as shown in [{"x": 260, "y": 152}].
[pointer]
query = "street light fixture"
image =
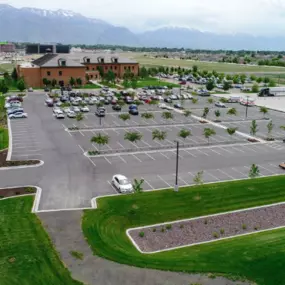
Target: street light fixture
[{"x": 176, "y": 187}]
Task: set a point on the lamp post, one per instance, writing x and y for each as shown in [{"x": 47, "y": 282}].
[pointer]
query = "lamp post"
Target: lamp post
[
  {"x": 176, "y": 188},
  {"x": 246, "y": 106}
]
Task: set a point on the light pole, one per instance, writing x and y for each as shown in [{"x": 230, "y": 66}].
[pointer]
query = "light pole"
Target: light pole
[
  {"x": 246, "y": 106},
  {"x": 176, "y": 188}
]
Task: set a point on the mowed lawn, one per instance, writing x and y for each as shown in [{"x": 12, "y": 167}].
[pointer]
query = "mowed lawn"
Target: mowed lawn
[
  {"x": 4, "y": 138},
  {"x": 258, "y": 257},
  {"x": 27, "y": 256},
  {"x": 218, "y": 66},
  {"x": 154, "y": 82}
]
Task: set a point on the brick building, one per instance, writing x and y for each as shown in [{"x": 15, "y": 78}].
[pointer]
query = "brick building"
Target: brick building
[
  {"x": 62, "y": 67},
  {"x": 7, "y": 47}
]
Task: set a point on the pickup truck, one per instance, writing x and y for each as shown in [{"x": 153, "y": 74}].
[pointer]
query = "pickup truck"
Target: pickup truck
[{"x": 282, "y": 165}]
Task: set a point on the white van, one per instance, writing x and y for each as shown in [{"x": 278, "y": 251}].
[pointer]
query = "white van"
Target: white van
[{"x": 234, "y": 99}]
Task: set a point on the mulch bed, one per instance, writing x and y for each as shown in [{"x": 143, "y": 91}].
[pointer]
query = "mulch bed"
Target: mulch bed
[
  {"x": 253, "y": 140},
  {"x": 10, "y": 192},
  {"x": 4, "y": 163},
  {"x": 208, "y": 229}
]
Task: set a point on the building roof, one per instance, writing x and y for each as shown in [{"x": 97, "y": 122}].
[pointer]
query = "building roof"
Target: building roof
[{"x": 77, "y": 60}]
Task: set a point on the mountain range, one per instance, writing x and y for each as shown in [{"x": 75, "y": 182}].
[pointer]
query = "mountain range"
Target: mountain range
[{"x": 63, "y": 26}]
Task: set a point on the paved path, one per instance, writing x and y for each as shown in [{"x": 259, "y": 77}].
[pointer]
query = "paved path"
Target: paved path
[{"x": 65, "y": 231}]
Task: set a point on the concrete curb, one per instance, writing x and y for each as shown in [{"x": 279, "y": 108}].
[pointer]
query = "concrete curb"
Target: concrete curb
[
  {"x": 22, "y": 166},
  {"x": 9, "y": 154}
]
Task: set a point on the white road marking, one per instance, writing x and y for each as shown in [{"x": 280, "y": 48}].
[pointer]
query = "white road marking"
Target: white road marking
[
  {"x": 81, "y": 133},
  {"x": 122, "y": 159},
  {"x": 225, "y": 173},
  {"x": 239, "y": 172},
  {"x": 146, "y": 143},
  {"x": 91, "y": 161},
  {"x": 163, "y": 180},
  {"x": 216, "y": 178},
  {"x": 179, "y": 178},
  {"x": 164, "y": 155},
  {"x": 136, "y": 158},
  {"x": 148, "y": 183},
  {"x": 189, "y": 153},
  {"x": 107, "y": 160},
  {"x": 202, "y": 152},
  {"x": 169, "y": 141},
  {"x": 112, "y": 186},
  {"x": 81, "y": 148},
  {"x": 95, "y": 147},
  {"x": 120, "y": 145},
  {"x": 215, "y": 151},
  {"x": 272, "y": 172},
  {"x": 149, "y": 156}
]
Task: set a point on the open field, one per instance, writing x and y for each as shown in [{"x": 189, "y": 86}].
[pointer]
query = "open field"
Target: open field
[
  {"x": 219, "y": 67},
  {"x": 257, "y": 257},
  {"x": 6, "y": 67},
  {"x": 155, "y": 82},
  {"x": 26, "y": 253}
]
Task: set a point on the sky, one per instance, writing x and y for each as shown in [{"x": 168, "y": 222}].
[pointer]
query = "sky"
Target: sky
[{"x": 257, "y": 17}]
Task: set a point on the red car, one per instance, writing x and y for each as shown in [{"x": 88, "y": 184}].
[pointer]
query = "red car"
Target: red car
[{"x": 183, "y": 82}]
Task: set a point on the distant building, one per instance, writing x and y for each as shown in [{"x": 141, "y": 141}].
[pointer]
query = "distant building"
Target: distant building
[
  {"x": 46, "y": 48},
  {"x": 62, "y": 67},
  {"x": 7, "y": 47}
]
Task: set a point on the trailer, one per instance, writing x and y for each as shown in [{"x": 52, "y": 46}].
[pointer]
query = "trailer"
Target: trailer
[{"x": 272, "y": 91}]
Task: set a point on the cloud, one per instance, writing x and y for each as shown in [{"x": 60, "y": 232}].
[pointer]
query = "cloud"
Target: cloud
[{"x": 260, "y": 17}]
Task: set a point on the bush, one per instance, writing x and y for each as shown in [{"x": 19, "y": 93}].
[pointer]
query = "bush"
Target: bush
[
  {"x": 215, "y": 235},
  {"x": 222, "y": 231},
  {"x": 255, "y": 88},
  {"x": 154, "y": 230},
  {"x": 244, "y": 227},
  {"x": 206, "y": 222},
  {"x": 162, "y": 230},
  {"x": 30, "y": 190},
  {"x": 181, "y": 226},
  {"x": 77, "y": 254},
  {"x": 168, "y": 227},
  {"x": 93, "y": 152},
  {"x": 141, "y": 234}
]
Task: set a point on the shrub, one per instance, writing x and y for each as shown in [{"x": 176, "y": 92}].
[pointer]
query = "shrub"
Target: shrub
[
  {"x": 256, "y": 228},
  {"x": 162, "y": 230},
  {"x": 181, "y": 226},
  {"x": 141, "y": 234},
  {"x": 205, "y": 221},
  {"x": 77, "y": 254},
  {"x": 168, "y": 227},
  {"x": 211, "y": 275},
  {"x": 93, "y": 152},
  {"x": 222, "y": 231},
  {"x": 154, "y": 230},
  {"x": 215, "y": 235},
  {"x": 30, "y": 190},
  {"x": 244, "y": 227}
]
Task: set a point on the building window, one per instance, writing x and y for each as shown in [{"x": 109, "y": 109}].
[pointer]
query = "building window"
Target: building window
[
  {"x": 87, "y": 67},
  {"x": 60, "y": 73},
  {"x": 133, "y": 68},
  {"x": 115, "y": 67},
  {"x": 93, "y": 68},
  {"x": 91, "y": 76},
  {"x": 48, "y": 73},
  {"x": 111, "y": 67},
  {"x": 125, "y": 68},
  {"x": 106, "y": 67}
]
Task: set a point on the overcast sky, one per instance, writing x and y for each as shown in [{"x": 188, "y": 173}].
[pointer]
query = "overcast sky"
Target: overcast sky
[{"x": 259, "y": 17}]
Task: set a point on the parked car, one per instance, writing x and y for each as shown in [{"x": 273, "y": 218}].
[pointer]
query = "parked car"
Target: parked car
[
  {"x": 133, "y": 112},
  {"x": 84, "y": 109},
  {"x": 122, "y": 184},
  {"x": 220, "y": 105},
  {"x": 106, "y": 102},
  {"x": 173, "y": 97},
  {"x": 167, "y": 100},
  {"x": 162, "y": 106},
  {"x": 117, "y": 107},
  {"x": 15, "y": 110},
  {"x": 133, "y": 106},
  {"x": 178, "y": 106},
  {"x": 100, "y": 112},
  {"x": 59, "y": 115},
  {"x": 71, "y": 114},
  {"x": 282, "y": 165},
  {"x": 30, "y": 89},
  {"x": 18, "y": 115},
  {"x": 75, "y": 109}
]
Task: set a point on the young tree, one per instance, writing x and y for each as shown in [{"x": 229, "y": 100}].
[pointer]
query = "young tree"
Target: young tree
[
  {"x": 226, "y": 86},
  {"x": 110, "y": 76},
  {"x": 270, "y": 127},
  {"x": 232, "y": 111},
  {"x": 271, "y": 83},
  {"x": 45, "y": 81},
  {"x": 263, "y": 110},
  {"x": 134, "y": 83},
  {"x": 159, "y": 135},
  {"x": 71, "y": 81},
  {"x": 184, "y": 133},
  {"x": 253, "y": 128},
  {"x": 87, "y": 77},
  {"x": 126, "y": 83},
  {"x": 133, "y": 136},
  {"x": 210, "y": 100},
  {"x": 205, "y": 112},
  {"x": 254, "y": 171},
  {"x": 194, "y": 100},
  {"x": 21, "y": 85},
  {"x": 217, "y": 114},
  {"x": 125, "y": 117},
  {"x": 255, "y": 88},
  {"x": 208, "y": 132},
  {"x": 143, "y": 73},
  {"x": 101, "y": 71},
  {"x": 147, "y": 115},
  {"x": 78, "y": 81},
  {"x": 14, "y": 74},
  {"x": 187, "y": 113},
  {"x": 3, "y": 87},
  {"x": 137, "y": 185},
  {"x": 198, "y": 178},
  {"x": 53, "y": 82},
  {"x": 231, "y": 131},
  {"x": 195, "y": 68},
  {"x": 100, "y": 140},
  {"x": 79, "y": 117},
  {"x": 210, "y": 85},
  {"x": 167, "y": 115},
  {"x": 224, "y": 100}
]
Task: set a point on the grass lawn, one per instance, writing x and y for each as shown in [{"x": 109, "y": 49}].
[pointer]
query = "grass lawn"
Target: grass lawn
[
  {"x": 154, "y": 82},
  {"x": 26, "y": 253},
  {"x": 4, "y": 138},
  {"x": 109, "y": 84},
  {"x": 88, "y": 86},
  {"x": 258, "y": 257},
  {"x": 218, "y": 66}
]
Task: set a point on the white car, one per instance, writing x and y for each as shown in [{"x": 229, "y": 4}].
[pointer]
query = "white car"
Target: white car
[
  {"x": 71, "y": 114},
  {"x": 18, "y": 115},
  {"x": 220, "y": 104},
  {"x": 84, "y": 109},
  {"x": 59, "y": 115},
  {"x": 75, "y": 109},
  {"x": 162, "y": 106},
  {"x": 122, "y": 184},
  {"x": 66, "y": 110}
]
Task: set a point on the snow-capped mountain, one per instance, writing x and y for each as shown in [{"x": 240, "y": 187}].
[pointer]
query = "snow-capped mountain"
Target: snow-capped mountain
[{"x": 49, "y": 13}]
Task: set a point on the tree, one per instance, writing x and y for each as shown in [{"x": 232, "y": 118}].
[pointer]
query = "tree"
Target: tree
[
  {"x": 126, "y": 83},
  {"x": 184, "y": 133},
  {"x": 79, "y": 81},
  {"x": 195, "y": 68},
  {"x": 134, "y": 83},
  {"x": 194, "y": 100},
  {"x": 210, "y": 100},
  {"x": 100, "y": 140},
  {"x": 217, "y": 114},
  {"x": 137, "y": 185},
  {"x": 210, "y": 85},
  {"x": 159, "y": 135},
  {"x": 259, "y": 80},
  {"x": 270, "y": 127},
  {"x": 45, "y": 81},
  {"x": 232, "y": 111},
  {"x": 87, "y": 77},
  {"x": 110, "y": 76},
  {"x": 255, "y": 88},
  {"x": 263, "y": 110},
  {"x": 167, "y": 115},
  {"x": 187, "y": 113},
  {"x": 125, "y": 117},
  {"x": 271, "y": 83},
  {"x": 226, "y": 86},
  {"x": 21, "y": 85},
  {"x": 208, "y": 132},
  {"x": 231, "y": 131},
  {"x": 253, "y": 128},
  {"x": 53, "y": 82},
  {"x": 254, "y": 171},
  {"x": 198, "y": 178},
  {"x": 205, "y": 112},
  {"x": 3, "y": 87},
  {"x": 143, "y": 73},
  {"x": 147, "y": 115},
  {"x": 133, "y": 136},
  {"x": 79, "y": 117},
  {"x": 101, "y": 71},
  {"x": 71, "y": 81},
  {"x": 14, "y": 74}
]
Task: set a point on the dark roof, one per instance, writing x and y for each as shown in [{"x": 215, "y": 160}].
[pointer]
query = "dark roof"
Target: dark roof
[{"x": 44, "y": 59}]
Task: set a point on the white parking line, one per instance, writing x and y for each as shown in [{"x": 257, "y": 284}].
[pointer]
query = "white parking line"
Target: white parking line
[
  {"x": 239, "y": 172},
  {"x": 216, "y": 178},
  {"x": 149, "y": 156},
  {"x": 169, "y": 141},
  {"x": 179, "y": 178},
  {"x": 272, "y": 172},
  {"x": 136, "y": 158},
  {"x": 215, "y": 151},
  {"x": 95, "y": 147},
  {"x": 164, "y": 155},
  {"x": 146, "y": 143},
  {"x": 163, "y": 180},
  {"x": 107, "y": 160},
  {"x": 81, "y": 148},
  {"x": 225, "y": 173},
  {"x": 91, "y": 161},
  {"x": 122, "y": 159},
  {"x": 112, "y": 187},
  {"x": 148, "y": 184},
  {"x": 189, "y": 153},
  {"x": 120, "y": 145},
  {"x": 202, "y": 152},
  {"x": 81, "y": 133}
]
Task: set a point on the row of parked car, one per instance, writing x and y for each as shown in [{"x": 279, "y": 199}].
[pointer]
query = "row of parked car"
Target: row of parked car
[{"x": 13, "y": 105}]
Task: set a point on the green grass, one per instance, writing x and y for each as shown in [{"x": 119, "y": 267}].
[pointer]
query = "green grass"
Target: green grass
[
  {"x": 109, "y": 84},
  {"x": 4, "y": 138},
  {"x": 218, "y": 66},
  {"x": 88, "y": 86},
  {"x": 77, "y": 254},
  {"x": 26, "y": 253},
  {"x": 154, "y": 82},
  {"x": 258, "y": 257}
]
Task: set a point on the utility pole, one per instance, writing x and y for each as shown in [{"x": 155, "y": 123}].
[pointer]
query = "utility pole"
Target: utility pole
[
  {"x": 176, "y": 188},
  {"x": 246, "y": 106}
]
